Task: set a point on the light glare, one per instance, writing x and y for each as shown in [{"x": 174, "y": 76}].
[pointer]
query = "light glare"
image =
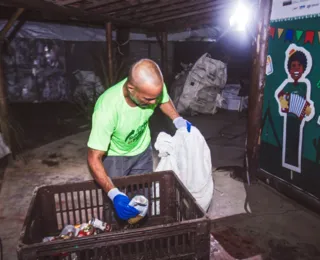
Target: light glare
[{"x": 240, "y": 18}]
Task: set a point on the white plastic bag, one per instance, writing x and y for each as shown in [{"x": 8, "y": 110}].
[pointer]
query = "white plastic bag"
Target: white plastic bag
[{"x": 188, "y": 155}]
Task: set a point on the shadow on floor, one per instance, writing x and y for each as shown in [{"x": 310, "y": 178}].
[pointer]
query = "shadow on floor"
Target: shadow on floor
[{"x": 272, "y": 226}]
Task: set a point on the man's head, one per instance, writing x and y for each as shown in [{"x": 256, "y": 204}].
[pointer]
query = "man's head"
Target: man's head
[
  {"x": 297, "y": 64},
  {"x": 145, "y": 83}
]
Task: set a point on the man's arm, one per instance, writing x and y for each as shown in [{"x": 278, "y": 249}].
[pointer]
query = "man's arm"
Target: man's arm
[
  {"x": 169, "y": 110},
  {"x": 97, "y": 169}
]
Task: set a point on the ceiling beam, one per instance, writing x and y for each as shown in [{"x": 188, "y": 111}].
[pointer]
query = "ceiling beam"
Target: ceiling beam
[
  {"x": 70, "y": 13},
  {"x": 99, "y": 4},
  {"x": 192, "y": 23},
  {"x": 212, "y": 6},
  {"x": 172, "y": 7},
  {"x": 68, "y": 2},
  {"x": 178, "y": 16},
  {"x": 125, "y": 9}
]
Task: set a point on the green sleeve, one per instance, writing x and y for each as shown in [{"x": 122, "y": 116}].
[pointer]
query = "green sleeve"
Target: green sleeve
[
  {"x": 103, "y": 125},
  {"x": 165, "y": 96}
]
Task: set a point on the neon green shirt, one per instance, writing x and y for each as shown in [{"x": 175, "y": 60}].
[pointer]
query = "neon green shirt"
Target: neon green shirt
[{"x": 119, "y": 129}]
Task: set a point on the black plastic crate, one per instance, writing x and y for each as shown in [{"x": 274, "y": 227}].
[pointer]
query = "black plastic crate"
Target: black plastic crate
[{"x": 176, "y": 227}]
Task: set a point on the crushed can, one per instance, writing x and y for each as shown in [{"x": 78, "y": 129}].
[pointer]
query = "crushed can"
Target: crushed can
[
  {"x": 100, "y": 225},
  {"x": 140, "y": 203},
  {"x": 87, "y": 230}
]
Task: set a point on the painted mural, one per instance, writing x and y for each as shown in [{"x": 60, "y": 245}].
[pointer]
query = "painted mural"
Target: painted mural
[{"x": 290, "y": 140}]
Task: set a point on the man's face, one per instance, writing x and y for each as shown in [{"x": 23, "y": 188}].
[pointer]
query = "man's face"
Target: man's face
[
  {"x": 296, "y": 70},
  {"x": 144, "y": 97}
]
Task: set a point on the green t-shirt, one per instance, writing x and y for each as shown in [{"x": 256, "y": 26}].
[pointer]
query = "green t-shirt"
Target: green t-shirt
[
  {"x": 299, "y": 89},
  {"x": 119, "y": 129}
]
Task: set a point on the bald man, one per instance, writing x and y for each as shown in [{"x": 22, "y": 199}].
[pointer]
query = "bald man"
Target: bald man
[{"x": 119, "y": 142}]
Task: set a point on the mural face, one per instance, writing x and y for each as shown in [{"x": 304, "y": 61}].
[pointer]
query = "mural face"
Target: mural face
[{"x": 295, "y": 105}]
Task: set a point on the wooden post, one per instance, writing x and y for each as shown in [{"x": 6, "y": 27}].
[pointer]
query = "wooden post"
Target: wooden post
[
  {"x": 4, "y": 118},
  {"x": 164, "y": 54},
  {"x": 110, "y": 52},
  {"x": 256, "y": 88},
  {"x": 123, "y": 52},
  {"x": 10, "y": 23}
]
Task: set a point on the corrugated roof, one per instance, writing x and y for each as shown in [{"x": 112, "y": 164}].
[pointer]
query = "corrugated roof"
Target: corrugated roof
[{"x": 169, "y": 15}]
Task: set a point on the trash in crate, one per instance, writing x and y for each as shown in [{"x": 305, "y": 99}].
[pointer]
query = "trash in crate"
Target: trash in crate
[
  {"x": 94, "y": 227},
  {"x": 87, "y": 230},
  {"x": 141, "y": 203},
  {"x": 100, "y": 225}
]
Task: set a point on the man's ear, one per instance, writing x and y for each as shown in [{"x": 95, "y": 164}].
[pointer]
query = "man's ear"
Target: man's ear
[{"x": 130, "y": 87}]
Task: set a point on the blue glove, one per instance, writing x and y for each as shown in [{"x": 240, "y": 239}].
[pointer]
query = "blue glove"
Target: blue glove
[
  {"x": 180, "y": 122},
  {"x": 121, "y": 204}
]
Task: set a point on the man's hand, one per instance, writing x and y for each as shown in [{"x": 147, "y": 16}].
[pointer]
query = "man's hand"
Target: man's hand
[
  {"x": 180, "y": 122},
  {"x": 121, "y": 204}
]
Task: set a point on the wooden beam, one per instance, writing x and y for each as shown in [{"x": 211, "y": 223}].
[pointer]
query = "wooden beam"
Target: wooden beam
[
  {"x": 10, "y": 23},
  {"x": 174, "y": 9},
  {"x": 110, "y": 53},
  {"x": 123, "y": 52},
  {"x": 186, "y": 14},
  {"x": 70, "y": 13},
  {"x": 4, "y": 118},
  {"x": 192, "y": 22},
  {"x": 69, "y": 2},
  {"x": 167, "y": 14},
  {"x": 126, "y": 9},
  {"x": 164, "y": 54},
  {"x": 100, "y": 4},
  {"x": 257, "y": 88}
]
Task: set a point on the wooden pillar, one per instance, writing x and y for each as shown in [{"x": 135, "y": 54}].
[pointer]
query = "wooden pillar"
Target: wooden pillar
[
  {"x": 109, "y": 53},
  {"x": 257, "y": 88},
  {"x": 10, "y": 23},
  {"x": 123, "y": 52},
  {"x": 4, "y": 118},
  {"x": 164, "y": 54}
]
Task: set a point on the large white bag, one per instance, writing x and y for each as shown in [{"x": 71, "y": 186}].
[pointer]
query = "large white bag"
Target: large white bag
[
  {"x": 188, "y": 155},
  {"x": 202, "y": 87}
]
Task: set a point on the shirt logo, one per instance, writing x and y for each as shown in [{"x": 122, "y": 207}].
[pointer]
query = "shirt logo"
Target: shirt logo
[{"x": 135, "y": 135}]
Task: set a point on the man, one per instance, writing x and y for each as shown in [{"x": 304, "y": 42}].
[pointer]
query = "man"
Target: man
[{"x": 120, "y": 130}]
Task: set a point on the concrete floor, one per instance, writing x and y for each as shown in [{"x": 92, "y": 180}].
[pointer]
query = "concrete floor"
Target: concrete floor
[{"x": 247, "y": 220}]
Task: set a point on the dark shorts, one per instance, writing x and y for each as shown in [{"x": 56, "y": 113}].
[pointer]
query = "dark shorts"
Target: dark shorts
[{"x": 119, "y": 166}]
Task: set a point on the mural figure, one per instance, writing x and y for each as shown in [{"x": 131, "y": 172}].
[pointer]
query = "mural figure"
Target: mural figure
[{"x": 295, "y": 105}]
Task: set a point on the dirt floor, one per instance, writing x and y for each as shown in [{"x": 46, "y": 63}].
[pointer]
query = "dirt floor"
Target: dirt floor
[{"x": 247, "y": 220}]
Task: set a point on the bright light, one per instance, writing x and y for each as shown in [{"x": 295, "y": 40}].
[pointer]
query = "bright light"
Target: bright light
[{"x": 240, "y": 18}]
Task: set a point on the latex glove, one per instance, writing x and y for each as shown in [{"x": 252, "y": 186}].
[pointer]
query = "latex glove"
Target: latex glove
[
  {"x": 180, "y": 122},
  {"x": 121, "y": 204}
]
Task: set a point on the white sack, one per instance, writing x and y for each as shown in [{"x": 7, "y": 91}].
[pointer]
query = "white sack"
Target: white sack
[
  {"x": 188, "y": 155},
  {"x": 202, "y": 86}
]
